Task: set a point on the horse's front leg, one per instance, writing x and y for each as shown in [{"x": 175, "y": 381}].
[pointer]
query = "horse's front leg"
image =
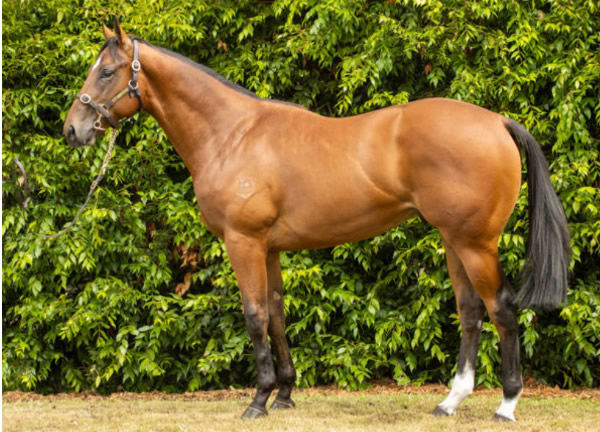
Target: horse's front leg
[
  {"x": 248, "y": 259},
  {"x": 286, "y": 374}
]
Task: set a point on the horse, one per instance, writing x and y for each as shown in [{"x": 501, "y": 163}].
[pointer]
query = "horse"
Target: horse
[{"x": 271, "y": 176}]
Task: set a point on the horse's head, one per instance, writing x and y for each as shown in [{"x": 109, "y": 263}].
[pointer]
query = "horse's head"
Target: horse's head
[{"x": 102, "y": 101}]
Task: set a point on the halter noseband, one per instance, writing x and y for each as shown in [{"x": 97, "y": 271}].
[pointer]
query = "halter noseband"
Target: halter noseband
[{"x": 132, "y": 89}]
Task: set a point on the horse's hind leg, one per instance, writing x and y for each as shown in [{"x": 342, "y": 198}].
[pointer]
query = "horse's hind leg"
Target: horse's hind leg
[
  {"x": 505, "y": 319},
  {"x": 483, "y": 269},
  {"x": 470, "y": 310},
  {"x": 286, "y": 374}
]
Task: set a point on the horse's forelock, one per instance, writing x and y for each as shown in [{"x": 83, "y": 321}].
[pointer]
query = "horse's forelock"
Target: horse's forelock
[{"x": 113, "y": 45}]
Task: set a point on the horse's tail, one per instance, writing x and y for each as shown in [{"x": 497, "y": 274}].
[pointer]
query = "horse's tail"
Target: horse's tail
[{"x": 544, "y": 277}]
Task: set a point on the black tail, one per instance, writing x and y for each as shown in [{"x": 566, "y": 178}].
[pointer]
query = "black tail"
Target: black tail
[{"x": 544, "y": 277}]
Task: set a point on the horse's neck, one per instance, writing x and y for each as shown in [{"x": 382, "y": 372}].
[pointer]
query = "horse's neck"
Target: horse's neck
[{"x": 196, "y": 111}]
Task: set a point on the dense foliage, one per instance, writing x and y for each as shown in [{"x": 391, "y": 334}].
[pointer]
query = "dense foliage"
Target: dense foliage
[{"x": 139, "y": 295}]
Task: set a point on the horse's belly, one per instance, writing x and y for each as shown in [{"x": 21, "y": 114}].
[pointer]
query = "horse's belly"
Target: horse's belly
[{"x": 340, "y": 222}]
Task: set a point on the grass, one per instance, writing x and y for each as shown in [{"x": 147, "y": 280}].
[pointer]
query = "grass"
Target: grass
[{"x": 347, "y": 412}]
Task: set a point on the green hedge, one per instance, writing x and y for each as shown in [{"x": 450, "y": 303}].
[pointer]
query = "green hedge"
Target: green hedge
[{"x": 97, "y": 308}]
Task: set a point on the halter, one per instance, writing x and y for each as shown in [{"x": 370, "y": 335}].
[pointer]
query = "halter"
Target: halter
[{"x": 132, "y": 89}]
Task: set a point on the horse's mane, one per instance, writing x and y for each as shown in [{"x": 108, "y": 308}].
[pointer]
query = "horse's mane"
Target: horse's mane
[
  {"x": 203, "y": 68},
  {"x": 209, "y": 72}
]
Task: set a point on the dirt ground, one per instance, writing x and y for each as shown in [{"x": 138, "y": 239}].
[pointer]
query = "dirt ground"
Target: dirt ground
[{"x": 532, "y": 389}]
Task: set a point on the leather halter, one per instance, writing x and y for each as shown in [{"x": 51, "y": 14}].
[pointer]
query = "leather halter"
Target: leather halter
[{"x": 132, "y": 89}]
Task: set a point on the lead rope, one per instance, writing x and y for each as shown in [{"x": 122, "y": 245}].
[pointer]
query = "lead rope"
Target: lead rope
[{"x": 93, "y": 187}]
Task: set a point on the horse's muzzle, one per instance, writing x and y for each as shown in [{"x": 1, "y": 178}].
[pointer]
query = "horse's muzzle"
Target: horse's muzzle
[{"x": 78, "y": 138}]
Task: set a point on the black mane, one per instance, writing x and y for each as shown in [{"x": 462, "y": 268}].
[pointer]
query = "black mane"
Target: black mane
[
  {"x": 203, "y": 68},
  {"x": 214, "y": 74}
]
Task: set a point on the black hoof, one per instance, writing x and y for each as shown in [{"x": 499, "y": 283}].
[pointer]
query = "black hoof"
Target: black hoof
[
  {"x": 440, "y": 412},
  {"x": 283, "y": 404},
  {"x": 502, "y": 419},
  {"x": 254, "y": 413}
]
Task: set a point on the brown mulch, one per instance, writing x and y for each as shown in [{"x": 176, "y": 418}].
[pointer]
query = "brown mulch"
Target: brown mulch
[{"x": 533, "y": 389}]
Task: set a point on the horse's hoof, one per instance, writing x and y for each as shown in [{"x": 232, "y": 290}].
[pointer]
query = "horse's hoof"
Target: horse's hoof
[
  {"x": 440, "y": 412},
  {"x": 503, "y": 419},
  {"x": 283, "y": 404},
  {"x": 254, "y": 413}
]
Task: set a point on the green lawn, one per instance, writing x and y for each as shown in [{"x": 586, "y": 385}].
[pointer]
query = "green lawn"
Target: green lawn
[{"x": 322, "y": 412}]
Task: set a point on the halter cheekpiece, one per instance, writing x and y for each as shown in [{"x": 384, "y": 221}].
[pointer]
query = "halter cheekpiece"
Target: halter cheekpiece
[{"x": 132, "y": 89}]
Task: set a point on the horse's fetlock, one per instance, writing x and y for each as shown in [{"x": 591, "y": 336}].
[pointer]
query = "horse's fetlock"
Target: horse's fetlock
[
  {"x": 267, "y": 381},
  {"x": 287, "y": 375},
  {"x": 512, "y": 387}
]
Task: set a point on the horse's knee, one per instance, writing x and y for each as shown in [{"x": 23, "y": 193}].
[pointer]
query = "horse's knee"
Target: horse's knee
[{"x": 256, "y": 321}]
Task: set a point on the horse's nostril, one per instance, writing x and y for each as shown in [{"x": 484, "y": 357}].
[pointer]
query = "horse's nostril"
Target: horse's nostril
[{"x": 70, "y": 134}]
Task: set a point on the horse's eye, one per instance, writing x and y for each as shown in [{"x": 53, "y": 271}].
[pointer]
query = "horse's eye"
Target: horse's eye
[{"x": 106, "y": 73}]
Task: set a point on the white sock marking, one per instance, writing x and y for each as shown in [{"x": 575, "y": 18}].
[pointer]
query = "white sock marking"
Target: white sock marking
[
  {"x": 507, "y": 407},
  {"x": 461, "y": 388}
]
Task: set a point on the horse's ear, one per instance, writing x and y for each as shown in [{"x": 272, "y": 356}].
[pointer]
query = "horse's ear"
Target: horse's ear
[
  {"x": 108, "y": 33},
  {"x": 122, "y": 37}
]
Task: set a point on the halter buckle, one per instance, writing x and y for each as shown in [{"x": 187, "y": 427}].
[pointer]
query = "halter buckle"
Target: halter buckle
[
  {"x": 98, "y": 124},
  {"x": 85, "y": 98},
  {"x": 136, "y": 65}
]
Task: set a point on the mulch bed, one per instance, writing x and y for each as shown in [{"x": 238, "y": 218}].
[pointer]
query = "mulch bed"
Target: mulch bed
[{"x": 533, "y": 389}]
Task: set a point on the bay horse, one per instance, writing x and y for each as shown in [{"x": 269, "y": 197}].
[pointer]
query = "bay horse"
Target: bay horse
[{"x": 271, "y": 176}]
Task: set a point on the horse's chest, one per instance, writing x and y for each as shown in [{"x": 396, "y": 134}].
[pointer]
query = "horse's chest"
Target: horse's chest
[
  {"x": 212, "y": 214},
  {"x": 242, "y": 203}
]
